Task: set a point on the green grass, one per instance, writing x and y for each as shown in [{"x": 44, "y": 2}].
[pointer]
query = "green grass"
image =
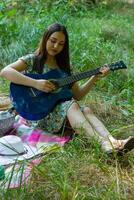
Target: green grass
[
  {"x": 79, "y": 171},
  {"x": 98, "y": 35}
]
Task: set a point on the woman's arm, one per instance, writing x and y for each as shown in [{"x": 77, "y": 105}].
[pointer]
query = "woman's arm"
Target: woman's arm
[
  {"x": 80, "y": 91},
  {"x": 13, "y": 73}
]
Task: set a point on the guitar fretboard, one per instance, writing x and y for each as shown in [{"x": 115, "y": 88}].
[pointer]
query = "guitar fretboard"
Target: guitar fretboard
[{"x": 73, "y": 78}]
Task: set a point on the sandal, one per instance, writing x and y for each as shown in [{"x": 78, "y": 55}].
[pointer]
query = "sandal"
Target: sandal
[
  {"x": 129, "y": 145},
  {"x": 110, "y": 150}
]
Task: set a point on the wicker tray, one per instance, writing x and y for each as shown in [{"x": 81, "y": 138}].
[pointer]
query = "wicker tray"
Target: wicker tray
[
  {"x": 5, "y": 102},
  {"x": 6, "y": 121}
]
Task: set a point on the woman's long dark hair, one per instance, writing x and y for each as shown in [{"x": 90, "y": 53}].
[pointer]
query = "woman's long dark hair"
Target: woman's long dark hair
[{"x": 62, "y": 59}]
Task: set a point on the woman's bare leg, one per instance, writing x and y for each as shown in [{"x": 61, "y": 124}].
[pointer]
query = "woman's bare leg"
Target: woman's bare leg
[
  {"x": 109, "y": 141},
  {"x": 96, "y": 123},
  {"x": 93, "y": 127},
  {"x": 77, "y": 121}
]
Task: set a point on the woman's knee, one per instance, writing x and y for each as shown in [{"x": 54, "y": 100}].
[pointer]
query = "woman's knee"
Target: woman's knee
[
  {"x": 87, "y": 111},
  {"x": 75, "y": 106}
]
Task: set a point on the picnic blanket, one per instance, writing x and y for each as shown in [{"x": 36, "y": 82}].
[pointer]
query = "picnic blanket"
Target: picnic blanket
[{"x": 18, "y": 174}]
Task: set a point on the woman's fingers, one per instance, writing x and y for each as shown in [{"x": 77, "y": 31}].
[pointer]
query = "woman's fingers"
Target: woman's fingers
[
  {"x": 104, "y": 70},
  {"x": 45, "y": 85},
  {"x": 48, "y": 86}
]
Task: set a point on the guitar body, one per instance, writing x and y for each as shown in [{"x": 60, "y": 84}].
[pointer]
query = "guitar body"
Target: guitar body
[{"x": 33, "y": 104}]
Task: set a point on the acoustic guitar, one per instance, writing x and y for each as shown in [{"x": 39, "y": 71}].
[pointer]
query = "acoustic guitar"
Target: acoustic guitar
[{"x": 33, "y": 104}]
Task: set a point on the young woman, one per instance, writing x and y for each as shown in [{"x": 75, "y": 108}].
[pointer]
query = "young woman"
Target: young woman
[{"x": 53, "y": 53}]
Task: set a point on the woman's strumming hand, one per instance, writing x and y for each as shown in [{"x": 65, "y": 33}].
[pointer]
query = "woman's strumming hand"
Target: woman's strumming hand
[{"x": 44, "y": 85}]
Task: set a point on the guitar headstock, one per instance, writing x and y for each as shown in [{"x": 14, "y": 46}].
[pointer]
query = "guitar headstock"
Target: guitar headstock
[{"x": 117, "y": 65}]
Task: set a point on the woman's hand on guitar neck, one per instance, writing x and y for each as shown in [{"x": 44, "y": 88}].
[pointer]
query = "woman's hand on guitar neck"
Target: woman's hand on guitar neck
[
  {"x": 104, "y": 71},
  {"x": 44, "y": 85}
]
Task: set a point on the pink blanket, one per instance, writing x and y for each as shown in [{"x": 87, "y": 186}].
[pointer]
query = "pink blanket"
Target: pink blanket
[{"x": 33, "y": 137}]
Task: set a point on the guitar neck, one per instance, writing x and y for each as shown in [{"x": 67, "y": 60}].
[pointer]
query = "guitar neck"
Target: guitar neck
[{"x": 77, "y": 77}]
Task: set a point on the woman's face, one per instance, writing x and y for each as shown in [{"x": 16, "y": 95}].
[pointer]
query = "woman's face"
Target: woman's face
[{"x": 55, "y": 43}]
